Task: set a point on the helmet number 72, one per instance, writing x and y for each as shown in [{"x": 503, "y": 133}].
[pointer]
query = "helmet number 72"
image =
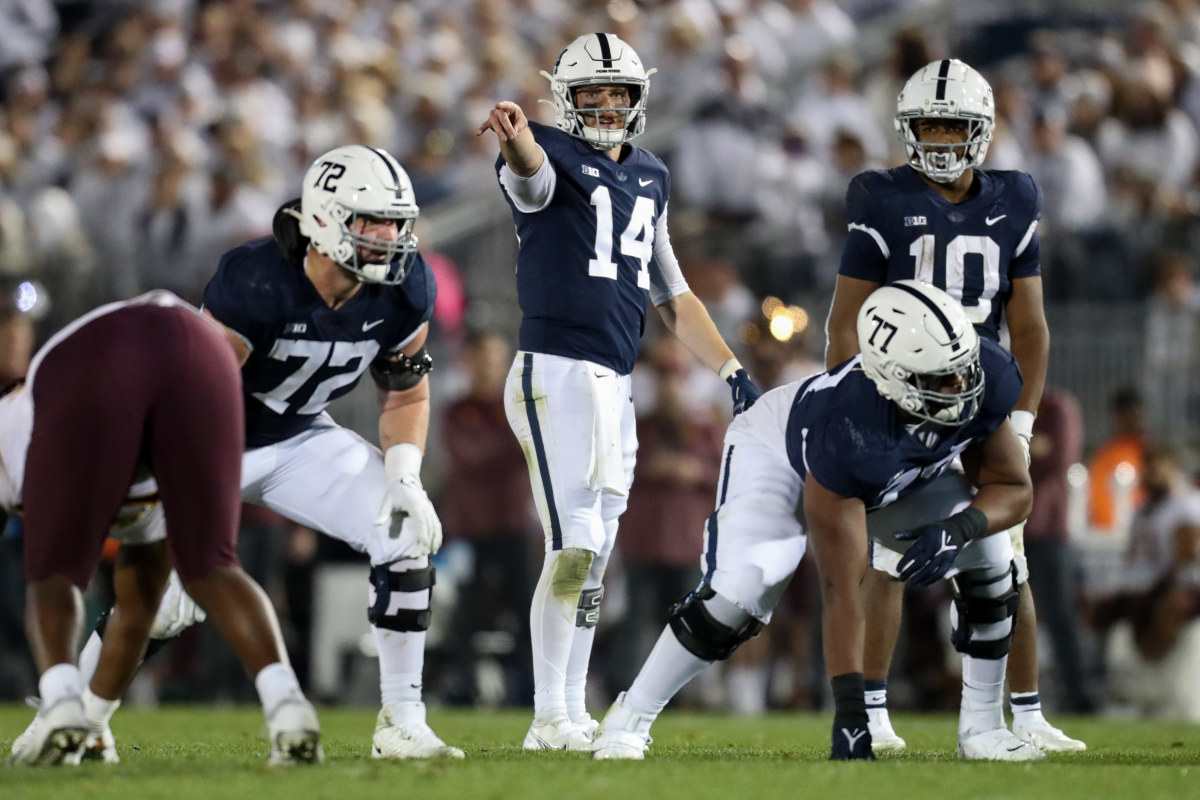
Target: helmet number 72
[{"x": 330, "y": 172}]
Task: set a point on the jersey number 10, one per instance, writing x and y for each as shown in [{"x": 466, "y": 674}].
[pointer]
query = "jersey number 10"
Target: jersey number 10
[
  {"x": 976, "y": 296},
  {"x": 641, "y": 224}
]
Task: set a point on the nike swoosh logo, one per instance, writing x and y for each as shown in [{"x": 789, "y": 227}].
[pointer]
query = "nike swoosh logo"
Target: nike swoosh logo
[
  {"x": 1015, "y": 749},
  {"x": 990, "y": 221},
  {"x": 368, "y": 325},
  {"x": 645, "y": 183}
]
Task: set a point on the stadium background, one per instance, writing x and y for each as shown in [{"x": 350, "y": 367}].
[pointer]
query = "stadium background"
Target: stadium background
[{"x": 139, "y": 140}]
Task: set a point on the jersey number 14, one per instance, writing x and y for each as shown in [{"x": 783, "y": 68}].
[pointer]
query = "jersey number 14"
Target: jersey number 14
[{"x": 636, "y": 242}]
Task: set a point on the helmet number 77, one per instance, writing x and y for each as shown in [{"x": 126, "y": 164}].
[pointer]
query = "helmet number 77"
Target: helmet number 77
[{"x": 882, "y": 324}]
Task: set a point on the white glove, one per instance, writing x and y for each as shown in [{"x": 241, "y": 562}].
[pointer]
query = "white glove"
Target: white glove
[
  {"x": 177, "y": 612},
  {"x": 1022, "y": 422},
  {"x": 405, "y": 502}
]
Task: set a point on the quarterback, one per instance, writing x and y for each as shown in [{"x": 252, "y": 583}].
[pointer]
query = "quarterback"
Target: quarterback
[{"x": 591, "y": 216}]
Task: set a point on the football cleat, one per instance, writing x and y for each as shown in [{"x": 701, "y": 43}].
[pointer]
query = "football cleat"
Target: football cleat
[
  {"x": 1048, "y": 738},
  {"x": 850, "y": 742},
  {"x": 54, "y": 736},
  {"x": 557, "y": 734},
  {"x": 99, "y": 745},
  {"x": 624, "y": 733},
  {"x": 589, "y": 726},
  {"x": 401, "y": 732},
  {"x": 998, "y": 744},
  {"x": 883, "y": 735},
  {"x": 295, "y": 734}
]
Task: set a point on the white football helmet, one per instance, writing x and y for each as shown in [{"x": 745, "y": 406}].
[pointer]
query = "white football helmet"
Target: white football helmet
[
  {"x": 598, "y": 59},
  {"x": 914, "y": 339},
  {"x": 358, "y": 181},
  {"x": 946, "y": 89}
]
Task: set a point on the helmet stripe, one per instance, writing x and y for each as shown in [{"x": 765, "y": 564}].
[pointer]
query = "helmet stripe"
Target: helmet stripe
[
  {"x": 942, "y": 79},
  {"x": 605, "y": 50},
  {"x": 387, "y": 163},
  {"x": 937, "y": 312}
]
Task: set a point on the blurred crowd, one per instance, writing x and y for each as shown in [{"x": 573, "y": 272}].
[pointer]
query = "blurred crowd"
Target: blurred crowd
[{"x": 140, "y": 139}]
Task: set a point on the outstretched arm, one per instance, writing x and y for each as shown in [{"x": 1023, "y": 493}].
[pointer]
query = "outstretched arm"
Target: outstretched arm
[{"x": 517, "y": 145}]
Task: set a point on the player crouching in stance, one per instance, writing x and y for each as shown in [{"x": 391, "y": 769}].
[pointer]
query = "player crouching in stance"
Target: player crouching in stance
[
  {"x": 339, "y": 290},
  {"x": 849, "y": 444},
  {"x": 145, "y": 388}
]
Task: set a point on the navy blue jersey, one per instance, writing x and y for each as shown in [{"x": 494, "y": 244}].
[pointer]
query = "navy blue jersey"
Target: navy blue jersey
[
  {"x": 901, "y": 228},
  {"x": 583, "y": 272},
  {"x": 854, "y": 442},
  {"x": 306, "y": 354}
]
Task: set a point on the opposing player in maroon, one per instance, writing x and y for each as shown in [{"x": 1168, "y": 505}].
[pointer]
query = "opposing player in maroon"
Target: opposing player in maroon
[{"x": 139, "y": 389}]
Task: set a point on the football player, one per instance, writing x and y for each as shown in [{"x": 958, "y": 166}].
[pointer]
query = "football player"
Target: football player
[
  {"x": 147, "y": 388},
  {"x": 591, "y": 216},
  {"x": 340, "y": 290},
  {"x": 973, "y": 232},
  {"x": 855, "y": 445}
]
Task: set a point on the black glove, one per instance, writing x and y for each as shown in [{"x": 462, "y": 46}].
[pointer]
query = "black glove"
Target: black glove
[
  {"x": 935, "y": 546},
  {"x": 744, "y": 391}
]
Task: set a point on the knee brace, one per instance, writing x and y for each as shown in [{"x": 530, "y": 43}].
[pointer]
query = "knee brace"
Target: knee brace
[
  {"x": 705, "y": 636},
  {"x": 399, "y": 600},
  {"x": 980, "y": 599},
  {"x": 587, "y": 615}
]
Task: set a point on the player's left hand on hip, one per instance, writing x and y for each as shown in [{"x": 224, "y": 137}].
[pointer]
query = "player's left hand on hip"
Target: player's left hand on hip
[
  {"x": 177, "y": 611},
  {"x": 745, "y": 393},
  {"x": 409, "y": 510},
  {"x": 931, "y": 555}
]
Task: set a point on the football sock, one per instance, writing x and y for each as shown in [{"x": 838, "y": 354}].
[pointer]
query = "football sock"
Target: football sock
[
  {"x": 98, "y": 710},
  {"x": 747, "y": 685},
  {"x": 667, "y": 670},
  {"x": 552, "y": 628},
  {"x": 982, "y": 695},
  {"x": 1026, "y": 708},
  {"x": 61, "y": 680},
  {"x": 401, "y": 662},
  {"x": 89, "y": 657},
  {"x": 577, "y": 670},
  {"x": 275, "y": 683},
  {"x": 875, "y": 694}
]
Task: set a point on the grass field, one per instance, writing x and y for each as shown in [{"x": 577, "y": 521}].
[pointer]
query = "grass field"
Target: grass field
[{"x": 187, "y": 752}]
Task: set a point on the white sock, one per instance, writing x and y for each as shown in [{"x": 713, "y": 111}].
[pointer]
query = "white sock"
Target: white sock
[
  {"x": 98, "y": 710},
  {"x": 402, "y": 653},
  {"x": 275, "y": 683},
  {"x": 982, "y": 695},
  {"x": 747, "y": 688},
  {"x": 400, "y": 687},
  {"x": 60, "y": 681},
  {"x": 89, "y": 657},
  {"x": 552, "y": 626},
  {"x": 577, "y": 671},
  {"x": 1026, "y": 708},
  {"x": 667, "y": 670}
]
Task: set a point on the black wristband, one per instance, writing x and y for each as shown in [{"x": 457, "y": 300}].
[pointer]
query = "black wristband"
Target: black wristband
[
  {"x": 849, "y": 695},
  {"x": 967, "y": 525}
]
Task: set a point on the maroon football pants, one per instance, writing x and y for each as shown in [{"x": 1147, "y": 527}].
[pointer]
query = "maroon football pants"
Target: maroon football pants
[{"x": 148, "y": 384}]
